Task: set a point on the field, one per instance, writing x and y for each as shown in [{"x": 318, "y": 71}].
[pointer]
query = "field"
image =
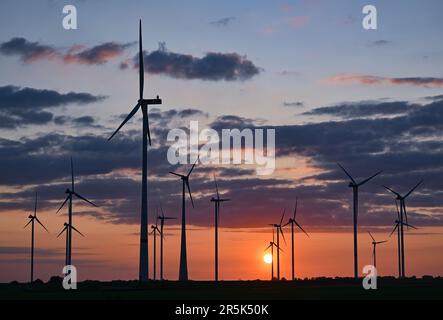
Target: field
[{"x": 336, "y": 289}]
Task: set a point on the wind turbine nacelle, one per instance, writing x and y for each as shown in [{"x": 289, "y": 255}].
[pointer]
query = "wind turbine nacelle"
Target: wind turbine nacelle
[
  {"x": 68, "y": 191},
  {"x": 30, "y": 217}
]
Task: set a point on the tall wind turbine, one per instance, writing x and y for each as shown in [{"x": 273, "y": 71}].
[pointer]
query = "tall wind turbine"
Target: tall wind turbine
[
  {"x": 399, "y": 226},
  {"x": 183, "y": 272},
  {"x": 279, "y": 229},
  {"x": 217, "y": 202},
  {"x": 32, "y": 219},
  {"x": 66, "y": 229},
  {"x": 294, "y": 223},
  {"x": 70, "y": 195},
  {"x": 374, "y": 248},
  {"x": 402, "y": 223},
  {"x": 354, "y": 185},
  {"x": 162, "y": 219},
  {"x": 154, "y": 231},
  {"x": 143, "y": 105},
  {"x": 271, "y": 246}
]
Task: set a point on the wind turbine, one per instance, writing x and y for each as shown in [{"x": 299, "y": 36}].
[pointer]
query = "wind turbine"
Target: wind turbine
[
  {"x": 183, "y": 272},
  {"x": 162, "y": 219},
  {"x": 397, "y": 228},
  {"x": 401, "y": 223},
  {"x": 294, "y": 223},
  {"x": 32, "y": 219},
  {"x": 70, "y": 195},
  {"x": 154, "y": 231},
  {"x": 143, "y": 105},
  {"x": 279, "y": 229},
  {"x": 374, "y": 249},
  {"x": 271, "y": 246},
  {"x": 217, "y": 202},
  {"x": 66, "y": 229},
  {"x": 354, "y": 185}
]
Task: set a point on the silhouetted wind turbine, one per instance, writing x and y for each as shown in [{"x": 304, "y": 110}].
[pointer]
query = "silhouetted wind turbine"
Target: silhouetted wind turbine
[
  {"x": 162, "y": 219},
  {"x": 374, "y": 249},
  {"x": 217, "y": 202},
  {"x": 279, "y": 229},
  {"x": 271, "y": 246},
  {"x": 354, "y": 185},
  {"x": 397, "y": 224},
  {"x": 403, "y": 212},
  {"x": 70, "y": 194},
  {"x": 154, "y": 231},
  {"x": 66, "y": 229},
  {"x": 293, "y": 223},
  {"x": 32, "y": 219},
  {"x": 183, "y": 272},
  {"x": 143, "y": 105}
]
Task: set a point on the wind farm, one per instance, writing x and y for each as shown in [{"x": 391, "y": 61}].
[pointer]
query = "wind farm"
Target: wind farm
[{"x": 268, "y": 170}]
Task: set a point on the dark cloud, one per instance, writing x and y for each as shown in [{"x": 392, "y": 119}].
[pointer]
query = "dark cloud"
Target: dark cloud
[
  {"x": 33, "y": 51},
  {"x": 365, "y": 109},
  {"x": 25, "y": 106},
  {"x": 223, "y": 22},
  {"x": 28, "y": 51},
  {"x": 297, "y": 104},
  {"x": 212, "y": 67}
]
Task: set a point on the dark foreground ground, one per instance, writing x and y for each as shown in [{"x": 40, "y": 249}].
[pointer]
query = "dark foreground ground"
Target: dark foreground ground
[{"x": 388, "y": 288}]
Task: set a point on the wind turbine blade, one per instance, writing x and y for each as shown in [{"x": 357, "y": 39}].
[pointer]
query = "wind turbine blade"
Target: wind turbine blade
[
  {"x": 27, "y": 224},
  {"x": 77, "y": 231},
  {"x": 190, "y": 194},
  {"x": 397, "y": 194},
  {"x": 141, "y": 66},
  {"x": 371, "y": 236},
  {"x": 301, "y": 228},
  {"x": 216, "y": 187},
  {"x": 35, "y": 205},
  {"x": 72, "y": 175},
  {"x": 295, "y": 208},
  {"x": 282, "y": 234},
  {"x": 283, "y": 216},
  {"x": 161, "y": 210},
  {"x": 193, "y": 166},
  {"x": 406, "y": 214},
  {"x": 63, "y": 204},
  {"x": 149, "y": 131},
  {"x": 176, "y": 174},
  {"x": 396, "y": 226},
  {"x": 344, "y": 170},
  {"x": 267, "y": 248},
  {"x": 370, "y": 178},
  {"x": 412, "y": 190},
  {"x": 39, "y": 222},
  {"x": 84, "y": 199},
  {"x": 380, "y": 242},
  {"x": 64, "y": 229},
  {"x": 130, "y": 115},
  {"x": 410, "y": 226}
]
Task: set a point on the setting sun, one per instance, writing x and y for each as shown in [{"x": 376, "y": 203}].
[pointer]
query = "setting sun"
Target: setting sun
[{"x": 267, "y": 258}]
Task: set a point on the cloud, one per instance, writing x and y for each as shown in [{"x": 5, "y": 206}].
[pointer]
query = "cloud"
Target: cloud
[
  {"x": 30, "y": 52},
  {"x": 212, "y": 67},
  {"x": 380, "y": 43},
  {"x": 298, "y": 104},
  {"x": 97, "y": 55},
  {"x": 297, "y": 21},
  {"x": 25, "y": 106},
  {"x": 223, "y": 22},
  {"x": 364, "y": 109},
  {"x": 428, "y": 82}
]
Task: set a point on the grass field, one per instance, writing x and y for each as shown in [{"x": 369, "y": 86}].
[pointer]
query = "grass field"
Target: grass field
[{"x": 388, "y": 288}]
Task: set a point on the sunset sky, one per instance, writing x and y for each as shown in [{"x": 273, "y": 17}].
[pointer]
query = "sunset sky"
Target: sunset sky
[{"x": 333, "y": 92}]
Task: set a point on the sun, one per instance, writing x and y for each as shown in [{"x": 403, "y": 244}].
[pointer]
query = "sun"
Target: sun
[{"x": 267, "y": 258}]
